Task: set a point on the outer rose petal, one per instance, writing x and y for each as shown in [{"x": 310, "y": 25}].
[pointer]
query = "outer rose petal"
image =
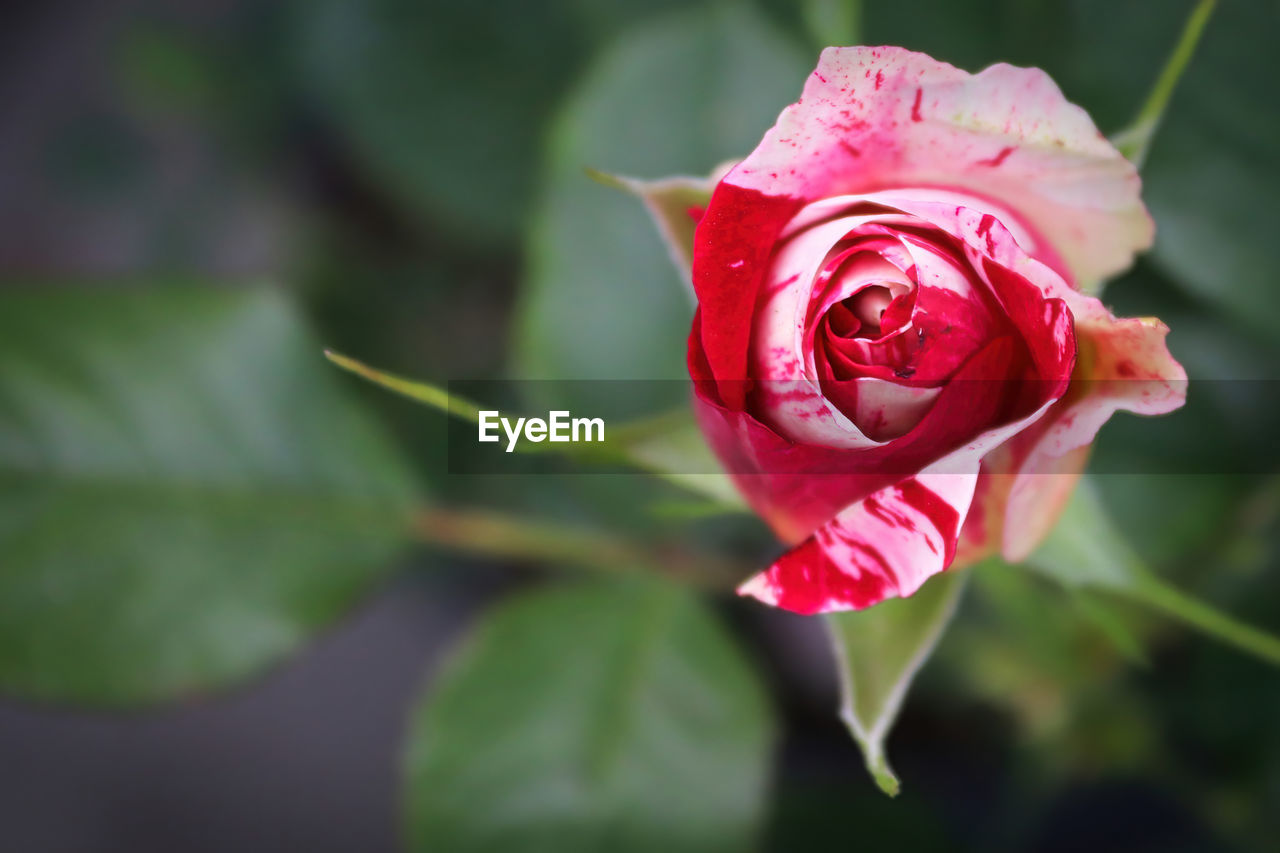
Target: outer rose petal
[
  {"x": 1123, "y": 365},
  {"x": 884, "y": 546},
  {"x": 876, "y": 117},
  {"x": 1040, "y": 500}
]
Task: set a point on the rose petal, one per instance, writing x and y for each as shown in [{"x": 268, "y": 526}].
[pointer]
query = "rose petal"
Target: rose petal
[
  {"x": 1124, "y": 365},
  {"x": 1025, "y": 286},
  {"x": 1025, "y": 483},
  {"x": 731, "y": 251},
  {"x": 798, "y": 487},
  {"x": 885, "y": 410},
  {"x": 884, "y": 546},
  {"x": 872, "y": 117},
  {"x": 888, "y": 543},
  {"x": 791, "y": 389}
]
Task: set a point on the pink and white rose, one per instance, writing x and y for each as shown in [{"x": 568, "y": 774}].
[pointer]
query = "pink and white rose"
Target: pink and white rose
[{"x": 895, "y": 353}]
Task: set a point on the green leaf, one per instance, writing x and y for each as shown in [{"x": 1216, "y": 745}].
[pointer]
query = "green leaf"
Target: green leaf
[
  {"x": 606, "y": 716},
  {"x": 443, "y": 104},
  {"x": 1086, "y": 550},
  {"x": 878, "y": 651},
  {"x": 185, "y": 496},
  {"x": 677, "y": 95}
]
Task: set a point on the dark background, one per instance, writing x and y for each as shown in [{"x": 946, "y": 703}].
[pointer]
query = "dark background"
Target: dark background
[{"x": 409, "y": 174}]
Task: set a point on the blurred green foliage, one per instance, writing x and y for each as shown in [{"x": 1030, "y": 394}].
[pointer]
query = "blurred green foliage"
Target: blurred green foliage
[
  {"x": 672, "y": 97},
  {"x": 185, "y": 495},
  {"x": 639, "y": 726}
]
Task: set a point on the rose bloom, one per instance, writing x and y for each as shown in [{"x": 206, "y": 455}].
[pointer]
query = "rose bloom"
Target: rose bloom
[{"x": 894, "y": 353}]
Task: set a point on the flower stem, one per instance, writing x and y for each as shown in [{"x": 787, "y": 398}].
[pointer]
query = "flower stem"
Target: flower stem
[
  {"x": 1196, "y": 614},
  {"x": 489, "y": 534},
  {"x": 1135, "y": 140}
]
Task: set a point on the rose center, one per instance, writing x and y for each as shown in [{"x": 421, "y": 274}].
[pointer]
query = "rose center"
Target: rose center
[
  {"x": 862, "y": 315},
  {"x": 869, "y": 305}
]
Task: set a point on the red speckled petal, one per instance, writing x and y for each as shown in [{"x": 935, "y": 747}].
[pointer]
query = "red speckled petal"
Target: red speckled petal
[
  {"x": 731, "y": 251},
  {"x": 1026, "y": 482},
  {"x": 876, "y": 117},
  {"x": 884, "y": 546},
  {"x": 889, "y": 542},
  {"x": 1124, "y": 365}
]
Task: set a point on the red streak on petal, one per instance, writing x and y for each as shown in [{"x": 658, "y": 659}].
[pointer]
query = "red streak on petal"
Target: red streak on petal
[
  {"x": 875, "y": 556},
  {"x": 776, "y": 286},
  {"x": 998, "y": 159},
  {"x": 730, "y": 255},
  {"x": 915, "y": 107},
  {"x": 984, "y": 230},
  {"x": 942, "y": 515},
  {"x": 806, "y": 581},
  {"x": 879, "y": 79},
  {"x": 890, "y": 516}
]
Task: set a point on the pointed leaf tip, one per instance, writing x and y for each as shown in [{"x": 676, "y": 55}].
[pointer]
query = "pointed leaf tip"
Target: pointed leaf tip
[
  {"x": 878, "y": 651},
  {"x": 421, "y": 392},
  {"x": 675, "y": 204},
  {"x": 608, "y": 179},
  {"x": 886, "y": 781}
]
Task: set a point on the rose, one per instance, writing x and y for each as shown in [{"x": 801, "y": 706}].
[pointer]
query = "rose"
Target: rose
[{"x": 894, "y": 353}]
